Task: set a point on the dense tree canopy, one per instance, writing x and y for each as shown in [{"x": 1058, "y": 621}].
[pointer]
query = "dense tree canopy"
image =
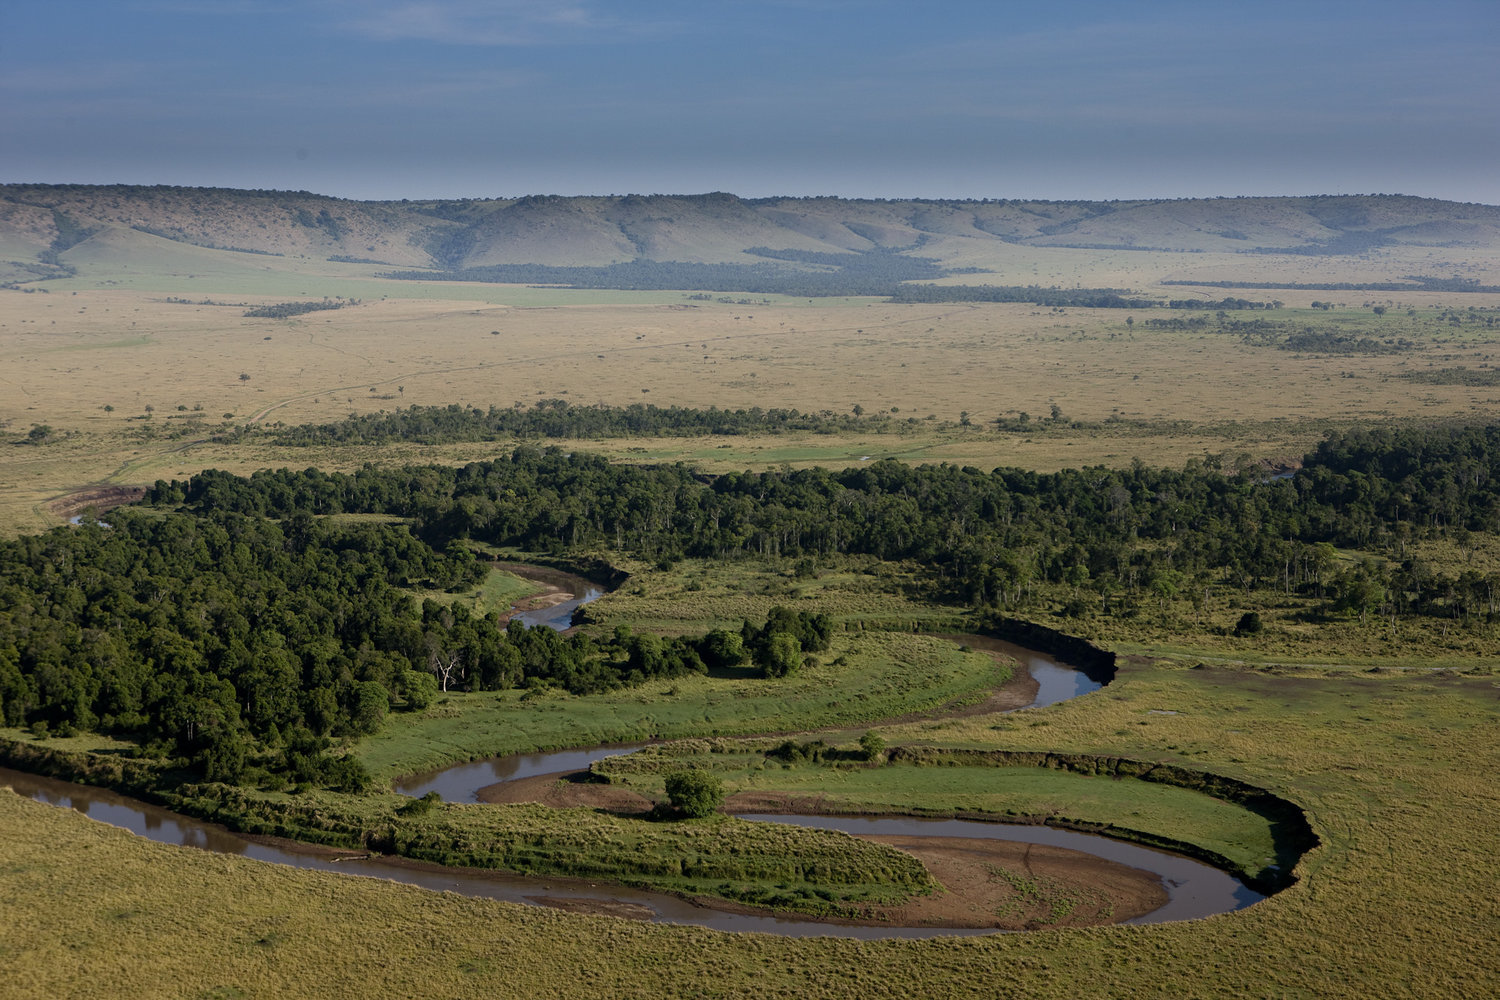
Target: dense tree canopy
[{"x": 989, "y": 537}]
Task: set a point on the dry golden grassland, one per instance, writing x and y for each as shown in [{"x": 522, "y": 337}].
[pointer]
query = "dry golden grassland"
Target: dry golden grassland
[{"x": 110, "y": 339}]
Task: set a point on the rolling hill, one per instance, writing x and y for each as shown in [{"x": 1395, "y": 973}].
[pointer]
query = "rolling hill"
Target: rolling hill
[{"x": 48, "y": 230}]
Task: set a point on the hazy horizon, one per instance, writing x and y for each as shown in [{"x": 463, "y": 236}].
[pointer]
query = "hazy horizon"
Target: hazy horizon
[{"x": 517, "y": 195}]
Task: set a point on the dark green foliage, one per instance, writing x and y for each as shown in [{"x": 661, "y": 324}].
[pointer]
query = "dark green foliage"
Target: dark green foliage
[
  {"x": 1227, "y": 304},
  {"x": 778, "y": 654},
  {"x": 721, "y": 649},
  {"x": 1286, "y": 336},
  {"x": 1249, "y": 624},
  {"x": 816, "y": 751},
  {"x": 557, "y": 418},
  {"x": 286, "y": 310},
  {"x": 1413, "y": 283},
  {"x": 1056, "y": 298},
  {"x": 1112, "y": 536},
  {"x": 418, "y": 688},
  {"x": 421, "y": 806},
  {"x": 229, "y": 640},
  {"x": 240, "y": 644},
  {"x": 695, "y": 793},
  {"x": 1312, "y": 341},
  {"x": 777, "y": 646}
]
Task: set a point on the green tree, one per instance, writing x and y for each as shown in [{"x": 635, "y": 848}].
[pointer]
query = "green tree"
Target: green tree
[
  {"x": 371, "y": 702},
  {"x": 420, "y": 688},
  {"x": 780, "y": 655},
  {"x": 695, "y": 793},
  {"x": 722, "y": 648}
]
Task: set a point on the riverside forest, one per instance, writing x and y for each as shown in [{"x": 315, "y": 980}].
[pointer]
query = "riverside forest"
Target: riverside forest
[{"x": 290, "y": 476}]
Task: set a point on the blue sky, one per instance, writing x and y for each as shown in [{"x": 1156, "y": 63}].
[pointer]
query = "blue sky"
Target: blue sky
[{"x": 857, "y": 98}]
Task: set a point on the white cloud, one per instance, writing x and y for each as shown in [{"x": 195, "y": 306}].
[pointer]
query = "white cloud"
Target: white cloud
[{"x": 474, "y": 22}]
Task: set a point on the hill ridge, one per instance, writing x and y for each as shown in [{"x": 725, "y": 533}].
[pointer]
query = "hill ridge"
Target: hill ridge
[{"x": 40, "y": 223}]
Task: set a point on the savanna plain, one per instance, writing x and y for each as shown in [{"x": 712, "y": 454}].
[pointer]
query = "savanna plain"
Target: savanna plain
[{"x": 1318, "y": 627}]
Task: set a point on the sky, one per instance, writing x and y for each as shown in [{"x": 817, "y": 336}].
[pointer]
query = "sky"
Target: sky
[{"x": 386, "y": 99}]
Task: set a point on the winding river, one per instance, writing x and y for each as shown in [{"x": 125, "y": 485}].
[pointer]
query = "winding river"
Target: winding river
[{"x": 1194, "y": 889}]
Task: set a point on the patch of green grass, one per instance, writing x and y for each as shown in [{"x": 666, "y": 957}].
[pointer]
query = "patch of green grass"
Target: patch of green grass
[
  {"x": 498, "y": 592},
  {"x": 883, "y": 675},
  {"x": 699, "y": 595},
  {"x": 817, "y": 871},
  {"x": 1005, "y": 793}
]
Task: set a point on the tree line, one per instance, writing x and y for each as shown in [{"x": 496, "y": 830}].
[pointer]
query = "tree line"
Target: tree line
[
  {"x": 990, "y": 539},
  {"x": 233, "y": 641},
  {"x": 287, "y": 310},
  {"x": 236, "y": 642},
  {"x": 557, "y": 418}
]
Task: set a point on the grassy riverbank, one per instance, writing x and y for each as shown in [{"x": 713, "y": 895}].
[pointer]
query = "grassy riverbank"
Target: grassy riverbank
[
  {"x": 1154, "y": 810},
  {"x": 1394, "y": 770},
  {"x": 864, "y": 677}
]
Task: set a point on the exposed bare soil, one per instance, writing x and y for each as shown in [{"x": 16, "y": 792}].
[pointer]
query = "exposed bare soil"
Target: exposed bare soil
[
  {"x": 559, "y": 587},
  {"x": 567, "y": 791},
  {"x": 1013, "y": 886},
  {"x": 100, "y": 498}
]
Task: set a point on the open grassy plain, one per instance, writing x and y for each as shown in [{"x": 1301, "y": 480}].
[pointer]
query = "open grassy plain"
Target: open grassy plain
[{"x": 87, "y": 356}]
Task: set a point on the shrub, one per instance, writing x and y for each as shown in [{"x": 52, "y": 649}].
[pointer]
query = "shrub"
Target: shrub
[{"x": 695, "y": 793}]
